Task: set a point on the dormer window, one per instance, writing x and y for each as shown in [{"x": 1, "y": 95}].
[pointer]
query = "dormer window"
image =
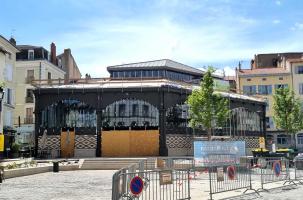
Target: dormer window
[
  {"x": 60, "y": 63},
  {"x": 31, "y": 54}
]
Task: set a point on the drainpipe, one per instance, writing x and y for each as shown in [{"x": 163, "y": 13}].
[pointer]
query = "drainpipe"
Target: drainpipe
[{"x": 293, "y": 136}]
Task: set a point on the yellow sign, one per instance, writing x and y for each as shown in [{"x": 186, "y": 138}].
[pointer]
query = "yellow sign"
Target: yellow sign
[
  {"x": 1, "y": 142},
  {"x": 262, "y": 142}
]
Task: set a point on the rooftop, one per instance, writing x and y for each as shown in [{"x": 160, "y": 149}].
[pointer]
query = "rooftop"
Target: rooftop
[
  {"x": 9, "y": 42},
  {"x": 295, "y": 60},
  {"x": 21, "y": 47},
  {"x": 163, "y": 63},
  {"x": 107, "y": 83},
  {"x": 263, "y": 71}
]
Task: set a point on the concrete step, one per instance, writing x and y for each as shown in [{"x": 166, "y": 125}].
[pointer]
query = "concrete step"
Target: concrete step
[{"x": 113, "y": 163}]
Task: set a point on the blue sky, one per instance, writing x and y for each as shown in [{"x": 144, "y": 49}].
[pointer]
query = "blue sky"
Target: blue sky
[{"x": 195, "y": 32}]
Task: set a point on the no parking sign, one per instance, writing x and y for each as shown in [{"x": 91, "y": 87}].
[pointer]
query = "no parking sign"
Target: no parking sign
[
  {"x": 136, "y": 185},
  {"x": 231, "y": 172}
]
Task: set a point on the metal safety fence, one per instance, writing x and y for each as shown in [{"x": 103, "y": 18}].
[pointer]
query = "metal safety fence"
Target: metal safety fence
[
  {"x": 155, "y": 184},
  {"x": 224, "y": 178},
  {"x": 178, "y": 163},
  {"x": 117, "y": 181},
  {"x": 298, "y": 170},
  {"x": 172, "y": 177},
  {"x": 270, "y": 170}
]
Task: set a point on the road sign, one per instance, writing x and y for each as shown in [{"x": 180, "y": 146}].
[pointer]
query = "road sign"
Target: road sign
[
  {"x": 1, "y": 142},
  {"x": 231, "y": 172},
  {"x": 136, "y": 185},
  {"x": 277, "y": 168}
]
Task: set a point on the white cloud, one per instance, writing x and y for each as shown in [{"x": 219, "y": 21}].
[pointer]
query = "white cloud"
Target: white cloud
[
  {"x": 229, "y": 71},
  {"x": 102, "y": 43},
  {"x": 219, "y": 38},
  {"x": 278, "y": 3},
  {"x": 297, "y": 26},
  {"x": 276, "y": 21}
]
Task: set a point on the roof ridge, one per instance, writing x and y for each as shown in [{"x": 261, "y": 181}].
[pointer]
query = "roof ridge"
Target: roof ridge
[{"x": 138, "y": 62}]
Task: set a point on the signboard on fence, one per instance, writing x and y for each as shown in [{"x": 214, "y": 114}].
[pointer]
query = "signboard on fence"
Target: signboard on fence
[
  {"x": 216, "y": 152},
  {"x": 166, "y": 177},
  {"x": 220, "y": 174}
]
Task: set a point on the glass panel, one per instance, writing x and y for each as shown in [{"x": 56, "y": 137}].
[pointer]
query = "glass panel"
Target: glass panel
[
  {"x": 300, "y": 69},
  {"x": 249, "y": 89},
  {"x": 265, "y": 89},
  {"x": 68, "y": 113},
  {"x": 132, "y": 113}
]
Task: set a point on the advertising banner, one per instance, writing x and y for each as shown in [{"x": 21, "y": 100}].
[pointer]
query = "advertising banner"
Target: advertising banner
[{"x": 217, "y": 152}]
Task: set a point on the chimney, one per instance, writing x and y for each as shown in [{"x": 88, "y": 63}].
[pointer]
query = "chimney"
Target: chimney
[
  {"x": 252, "y": 62},
  {"x": 12, "y": 41},
  {"x": 53, "y": 53}
]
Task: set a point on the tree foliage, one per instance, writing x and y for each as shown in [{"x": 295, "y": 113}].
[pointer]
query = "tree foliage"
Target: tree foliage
[
  {"x": 287, "y": 111},
  {"x": 206, "y": 108}
]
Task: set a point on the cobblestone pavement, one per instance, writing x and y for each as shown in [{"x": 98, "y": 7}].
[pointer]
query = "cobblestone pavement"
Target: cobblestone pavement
[{"x": 69, "y": 185}]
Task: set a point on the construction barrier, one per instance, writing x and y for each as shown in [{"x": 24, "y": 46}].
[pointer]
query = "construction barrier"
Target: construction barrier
[
  {"x": 270, "y": 170},
  {"x": 298, "y": 170},
  {"x": 156, "y": 184},
  {"x": 179, "y": 163},
  {"x": 224, "y": 178}
]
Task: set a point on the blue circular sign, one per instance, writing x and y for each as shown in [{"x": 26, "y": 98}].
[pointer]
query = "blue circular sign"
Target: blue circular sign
[
  {"x": 277, "y": 168},
  {"x": 136, "y": 185}
]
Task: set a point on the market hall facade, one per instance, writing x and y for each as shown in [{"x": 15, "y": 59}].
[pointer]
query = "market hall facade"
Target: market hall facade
[{"x": 139, "y": 111}]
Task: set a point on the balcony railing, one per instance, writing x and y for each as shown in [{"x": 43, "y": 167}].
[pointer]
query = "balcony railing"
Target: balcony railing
[
  {"x": 28, "y": 120},
  {"x": 29, "y": 99}
]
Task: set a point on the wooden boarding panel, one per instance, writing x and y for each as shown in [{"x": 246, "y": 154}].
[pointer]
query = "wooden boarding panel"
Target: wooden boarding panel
[
  {"x": 67, "y": 144},
  {"x": 132, "y": 143},
  {"x": 115, "y": 143}
]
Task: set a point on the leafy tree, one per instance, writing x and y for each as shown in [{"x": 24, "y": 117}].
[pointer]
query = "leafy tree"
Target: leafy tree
[
  {"x": 206, "y": 108},
  {"x": 287, "y": 111}
]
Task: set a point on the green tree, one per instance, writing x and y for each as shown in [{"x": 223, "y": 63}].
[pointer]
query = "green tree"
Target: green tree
[
  {"x": 287, "y": 111},
  {"x": 206, "y": 108}
]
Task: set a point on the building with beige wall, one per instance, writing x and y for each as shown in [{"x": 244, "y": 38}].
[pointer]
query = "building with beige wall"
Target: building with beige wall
[
  {"x": 267, "y": 73},
  {"x": 8, "y": 77},
  {"x": 67, "y": 62},
  {"x": 33, "y": 63}
]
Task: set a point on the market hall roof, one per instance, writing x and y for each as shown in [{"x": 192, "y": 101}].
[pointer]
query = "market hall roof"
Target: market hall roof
[
  {"x": 107, "y": 83},
  {"x": 157, "y": 64}
]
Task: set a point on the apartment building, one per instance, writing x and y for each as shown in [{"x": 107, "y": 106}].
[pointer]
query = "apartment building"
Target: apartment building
[
  {"x": 267, "y": 73},
  {"x": 33, "y": 63},
  {"x": 7, "y": 76}
]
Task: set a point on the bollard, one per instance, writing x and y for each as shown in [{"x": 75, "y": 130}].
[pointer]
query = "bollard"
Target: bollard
[{"x": 55, "y": 166}]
